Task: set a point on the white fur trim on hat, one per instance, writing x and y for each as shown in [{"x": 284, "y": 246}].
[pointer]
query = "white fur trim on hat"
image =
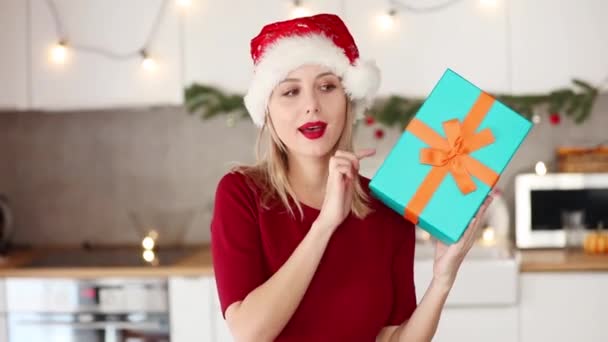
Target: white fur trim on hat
[{"x": 361, "y": 80}]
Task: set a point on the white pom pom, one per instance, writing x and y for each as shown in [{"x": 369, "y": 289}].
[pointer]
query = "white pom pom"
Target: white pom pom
[{"x": 362, "y": 81}]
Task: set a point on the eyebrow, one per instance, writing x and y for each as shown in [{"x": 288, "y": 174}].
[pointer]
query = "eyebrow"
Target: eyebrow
[{"x": 297, "y": 79}]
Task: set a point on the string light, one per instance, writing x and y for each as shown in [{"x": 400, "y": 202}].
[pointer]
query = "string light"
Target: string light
[
  {"x": 540, "y": 168},
  {"x": 147, "y": 243},
  {"x": 386, "y": 21},
  {"x": 184, "y": 3},
  {"x": 147, "y": 62},
  {"x": 401, "y": 5},
  {"x": 148, "y": 255},
  {"x": 59, "y": 52},
  {"x": 488, "y": 237},
  {"x": 299, "y": 10},
  {"x": 489, "y": 3}
]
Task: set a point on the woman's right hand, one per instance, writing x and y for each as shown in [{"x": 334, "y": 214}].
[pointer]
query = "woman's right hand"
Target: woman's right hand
[{"x": 343, "y": 168}]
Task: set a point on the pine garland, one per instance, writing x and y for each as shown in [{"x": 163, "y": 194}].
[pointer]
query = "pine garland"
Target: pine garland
[{"x": 576, "y": 103}]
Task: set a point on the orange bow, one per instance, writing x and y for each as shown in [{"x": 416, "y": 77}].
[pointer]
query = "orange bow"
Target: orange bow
[{"x": 452, "y": 155}]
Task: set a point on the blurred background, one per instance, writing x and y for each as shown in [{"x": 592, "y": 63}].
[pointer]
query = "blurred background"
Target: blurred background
[{"x": 118, "y": 118}]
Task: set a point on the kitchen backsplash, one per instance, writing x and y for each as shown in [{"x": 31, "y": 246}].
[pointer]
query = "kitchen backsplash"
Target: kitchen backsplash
[{"x": 74, "y": 177}]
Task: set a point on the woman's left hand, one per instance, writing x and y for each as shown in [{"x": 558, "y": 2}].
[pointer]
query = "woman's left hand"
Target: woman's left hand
[{"x": 449, "y": 257}]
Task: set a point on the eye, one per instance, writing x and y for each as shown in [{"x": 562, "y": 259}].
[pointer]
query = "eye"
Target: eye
[
  {"x": 291, "y": 92},
  {"x": 328, "y": 87}
]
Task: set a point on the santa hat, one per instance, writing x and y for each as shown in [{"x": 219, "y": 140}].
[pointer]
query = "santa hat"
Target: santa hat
[{"x": 321, "y": 39}]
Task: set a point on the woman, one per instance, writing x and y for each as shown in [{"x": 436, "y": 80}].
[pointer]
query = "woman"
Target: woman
[{"x": 301, "y": 250}]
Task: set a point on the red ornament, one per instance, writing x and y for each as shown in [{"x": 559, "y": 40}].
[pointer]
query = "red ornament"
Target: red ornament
[
  {"x": 369, "y": 120},
  {"x": 555, "y": 118},
  {"x": 379, "y": 133}
]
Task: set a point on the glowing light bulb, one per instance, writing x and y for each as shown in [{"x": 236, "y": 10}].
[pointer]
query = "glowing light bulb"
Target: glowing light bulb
[
  {"x": 299, "y": 10},
  {"x": 148, "y": 255},
  {"x": 386, "y": 21},
  {"x": 153, "y": 234},
  {"x": 488, "y": 235},
  {"x": 540, "y": 168},
  {"x": 184, "y": 3},
  {"x": 489, "y": 3},
  {"x": 147, "y": 62},
  {"x": 147, "y": 243},
  {"x": 59, "y": 52}
]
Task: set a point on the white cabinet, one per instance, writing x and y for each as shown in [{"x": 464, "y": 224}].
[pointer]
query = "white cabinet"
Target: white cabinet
[
  {"x": 483, "y": 304},
  {"x": 554, "y": 41},
  {"x": 190, "y": 304},
  {"x": 564, "y": 307},
  {"x": 3, "y": 320},
  {"x": 222, "y": 334},
  {"x": 13, "y": 59},
  {"x": 217, "y": 37},
  {"x": 478, "y": 324},
  {"x": 91, "y": 81},
  {"x": 467, "y": 36}
]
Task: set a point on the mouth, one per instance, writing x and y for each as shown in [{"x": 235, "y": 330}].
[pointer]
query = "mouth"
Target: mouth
[{"x": 313, "y": 130}]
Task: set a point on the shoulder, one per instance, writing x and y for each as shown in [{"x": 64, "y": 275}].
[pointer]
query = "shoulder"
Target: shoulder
[{"x": 235, "y": 187}]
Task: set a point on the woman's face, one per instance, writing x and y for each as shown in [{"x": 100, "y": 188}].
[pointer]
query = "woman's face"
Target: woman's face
[{"x": 308, "y": 110}]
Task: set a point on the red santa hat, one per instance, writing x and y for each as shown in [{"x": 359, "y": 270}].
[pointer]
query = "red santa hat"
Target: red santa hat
[{"x": 321, "y": 39}]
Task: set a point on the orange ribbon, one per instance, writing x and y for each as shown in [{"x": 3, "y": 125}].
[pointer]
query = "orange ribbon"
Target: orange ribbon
[{"x": 451, "y": 155}]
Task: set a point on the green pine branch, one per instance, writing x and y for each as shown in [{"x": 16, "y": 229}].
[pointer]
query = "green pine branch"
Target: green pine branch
[{"x": 576, "y": 103}]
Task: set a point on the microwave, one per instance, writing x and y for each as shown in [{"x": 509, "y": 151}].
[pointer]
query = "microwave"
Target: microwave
[{"x": 541, "y": 200}]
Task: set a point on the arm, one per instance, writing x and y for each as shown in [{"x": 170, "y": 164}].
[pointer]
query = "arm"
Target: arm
[
  {"x": 263, "y": 314},
  {"x": 256, "y": 308},
  {"x": 422, "y": 325}
]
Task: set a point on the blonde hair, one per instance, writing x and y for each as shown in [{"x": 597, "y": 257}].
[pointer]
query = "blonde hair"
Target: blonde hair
[{"x": 269, "y": 172}]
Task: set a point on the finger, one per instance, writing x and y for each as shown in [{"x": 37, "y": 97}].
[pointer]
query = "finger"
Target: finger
[
  {"x": 335, "y": 161},
  {"x": 471, "y": 230},
  {"x": 346, "y": 170},
  {"x": 350, "y": 156},
  {"x": 364, "y": 153}
]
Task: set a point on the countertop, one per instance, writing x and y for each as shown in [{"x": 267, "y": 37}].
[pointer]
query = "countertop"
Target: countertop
[
  {"x": 558, "y": 260},
  {"x": 198, "y": 263}
]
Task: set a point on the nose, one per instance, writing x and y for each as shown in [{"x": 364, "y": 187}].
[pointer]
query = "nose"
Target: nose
[{"x": 312, "y": 104}]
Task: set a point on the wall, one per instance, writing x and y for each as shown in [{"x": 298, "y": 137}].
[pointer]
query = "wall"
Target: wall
[{"x": 73, "y": 177}]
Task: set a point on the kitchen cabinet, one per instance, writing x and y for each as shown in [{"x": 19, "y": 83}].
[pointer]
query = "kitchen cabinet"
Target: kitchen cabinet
[
  {"x": 195, "y": 310},
  {"x": 3, "y": 318},
  {"x": 216, "y": 50},
  {"x": 467, "y": 37},
  {"x": 13, "y": 59},
  {"x": 190, "y": 308},
  {"x": 478, "y": 324},
  {"x": 563, "y": 307},
  {"x": 89, "y": 80},
  {"x": 554, "y": 41},
  {"x": 222, "y": 333},
  {"x": 483, "y": 304}
]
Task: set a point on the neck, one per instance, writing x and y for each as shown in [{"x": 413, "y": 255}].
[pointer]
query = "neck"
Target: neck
[{"x": 308, "y": 177}]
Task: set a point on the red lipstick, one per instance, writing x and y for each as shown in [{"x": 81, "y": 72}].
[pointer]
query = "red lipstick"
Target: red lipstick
[{"x": 313, "y": 130}]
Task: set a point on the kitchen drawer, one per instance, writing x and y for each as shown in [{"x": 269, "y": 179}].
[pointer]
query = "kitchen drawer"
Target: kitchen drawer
[{"x": 484, "y": 279}]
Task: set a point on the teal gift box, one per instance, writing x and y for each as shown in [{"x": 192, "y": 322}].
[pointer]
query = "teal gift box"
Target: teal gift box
[{"x": 449, "y": 157}]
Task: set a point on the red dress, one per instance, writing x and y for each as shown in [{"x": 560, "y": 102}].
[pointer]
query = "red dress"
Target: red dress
[{"x": 364, "y": 281}]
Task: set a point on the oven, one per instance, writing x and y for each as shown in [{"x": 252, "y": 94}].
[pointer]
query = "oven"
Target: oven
[{"x": 87, "y": 310}]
